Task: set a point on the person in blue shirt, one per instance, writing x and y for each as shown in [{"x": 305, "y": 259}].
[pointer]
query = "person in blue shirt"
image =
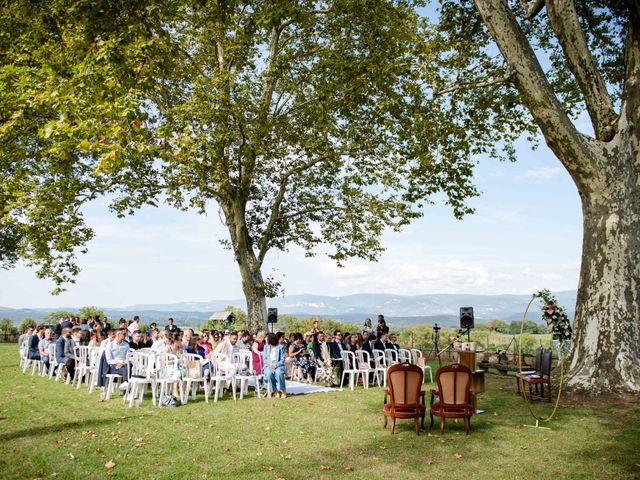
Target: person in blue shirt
[
  {"x": 273, "y": 357},
  {"x": 116, "y": 355}
]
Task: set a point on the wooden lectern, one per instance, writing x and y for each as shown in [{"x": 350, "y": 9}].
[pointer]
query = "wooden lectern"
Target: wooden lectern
[{"x": 468, "y": 359}]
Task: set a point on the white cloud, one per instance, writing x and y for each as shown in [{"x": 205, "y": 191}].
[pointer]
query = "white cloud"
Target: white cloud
[{"x": 542, "y": 173}]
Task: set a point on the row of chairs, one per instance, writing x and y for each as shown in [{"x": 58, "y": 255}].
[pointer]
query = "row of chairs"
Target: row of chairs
[
  {"x": 160, "y": 372},
  {"x": 359, "y": 365}
]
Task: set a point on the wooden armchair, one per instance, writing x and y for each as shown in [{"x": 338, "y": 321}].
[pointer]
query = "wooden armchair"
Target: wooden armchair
[
  {"x": 454, "y": 393},
  {"x": 404, "y": 395}
]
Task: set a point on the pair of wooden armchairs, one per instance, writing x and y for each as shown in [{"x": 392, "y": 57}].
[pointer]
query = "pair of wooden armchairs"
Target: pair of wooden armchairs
[{"x": 405, "y": 399}]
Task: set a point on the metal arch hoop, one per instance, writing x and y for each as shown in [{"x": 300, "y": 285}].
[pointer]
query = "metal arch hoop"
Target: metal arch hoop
[{"x": 522, "y": 389}]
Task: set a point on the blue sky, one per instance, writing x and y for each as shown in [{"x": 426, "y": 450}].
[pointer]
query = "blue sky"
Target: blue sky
[{"x": 526, "y": 234}]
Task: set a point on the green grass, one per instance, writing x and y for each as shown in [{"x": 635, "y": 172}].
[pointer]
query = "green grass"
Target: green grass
[{"x": 51, "y": 430}]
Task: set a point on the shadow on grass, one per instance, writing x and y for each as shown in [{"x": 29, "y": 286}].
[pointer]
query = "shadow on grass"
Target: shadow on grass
[{"x": 41, "y": 430}]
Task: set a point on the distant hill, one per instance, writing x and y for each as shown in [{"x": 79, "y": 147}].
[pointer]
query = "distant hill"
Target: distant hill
[{"x": 399, "y": 310}]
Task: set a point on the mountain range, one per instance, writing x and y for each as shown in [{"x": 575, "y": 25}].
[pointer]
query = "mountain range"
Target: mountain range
[{"x": 399, "y": 310}]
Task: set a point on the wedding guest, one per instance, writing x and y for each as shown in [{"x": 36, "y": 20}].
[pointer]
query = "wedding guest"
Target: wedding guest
[
  {"x": 170, "y": 327},
  {"x": 116, "y": 355},
  {"x": 153, "y": 327},
  {"x": 32, "y": 344},
  {"x": 367, "y": 327},
  {"x": 43, "y": 347},
  {"x": 382, "y": 325},
  {"x": 300, "y": 359},
  {"x": 257, "y": 348},
  {"x": 23, "y": 341},
  {"x": 186, "y": 337},
  {"x": 393, "y": 341},
  {"x": 382, "y": 342},
  {"x": 336, "y": 348},
  {"x": 136, "y": 342},
  {"x": 194, "y": 347},
  {"x": 162, "y": 343},
  {"x": 355, "y": 342},
  {"x": 134, "y": 325},
  {"x": 273, "y": 357}
]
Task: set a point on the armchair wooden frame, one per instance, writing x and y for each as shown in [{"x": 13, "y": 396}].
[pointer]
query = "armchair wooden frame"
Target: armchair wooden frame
[
  {"x": 404, "y": 395},
  {"x": 454, "y": 393}
]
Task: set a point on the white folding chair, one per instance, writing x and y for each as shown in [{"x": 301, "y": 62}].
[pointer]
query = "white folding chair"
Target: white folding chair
[
  {"x": 23, "y": 358},
  {"x": 194, "y": 378},
  {"x": 416, "y": 355},
  {"x": 93, "y": 368},
  {"x": 243, "y": 361},
  {"x": 222, "y": 373},
  {"x": 363, "y": 364},
  {"x": 404, "y": 356},
  {"x": 142, "y": 373},
  {"x": 82, "y": 364},
  {"x": 350, "y": 368},
  {"x": 167, "y": 374},
  {"x": 380, "y": 361},
  {"x": 391, "y": 357}
]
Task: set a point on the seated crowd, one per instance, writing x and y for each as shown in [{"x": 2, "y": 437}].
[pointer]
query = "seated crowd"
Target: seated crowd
[{"x": 316, "y": 355}]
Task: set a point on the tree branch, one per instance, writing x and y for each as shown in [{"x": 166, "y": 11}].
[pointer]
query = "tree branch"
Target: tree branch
[
  {"x": 570, "y": 146},
  {"x": 564, "y": 21},
  {"x": 531, "y": 9},
  {"x": 479, "y": 83},
  {"x": 275, "y": 209}
]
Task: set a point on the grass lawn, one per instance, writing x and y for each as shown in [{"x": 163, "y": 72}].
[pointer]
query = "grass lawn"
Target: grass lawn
[{"x": 50, "y": 430}]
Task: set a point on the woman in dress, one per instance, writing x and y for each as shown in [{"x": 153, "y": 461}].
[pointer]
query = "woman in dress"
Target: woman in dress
[
  {"x": 300, "y": 359},
  {"x": 273, "y": 356},
  {"x": 257, "y": 347}
]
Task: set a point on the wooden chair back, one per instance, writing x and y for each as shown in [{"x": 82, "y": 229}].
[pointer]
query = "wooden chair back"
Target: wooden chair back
[
  {"x": 405, "y": 382},
  {"x": 545, "y": 363},
  {"x": 454, "y": 383},
  {"x": 538, "y": 362}
]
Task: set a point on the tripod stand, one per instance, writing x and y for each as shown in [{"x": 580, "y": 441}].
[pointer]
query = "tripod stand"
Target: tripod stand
[{"x": 436, "y": 346}]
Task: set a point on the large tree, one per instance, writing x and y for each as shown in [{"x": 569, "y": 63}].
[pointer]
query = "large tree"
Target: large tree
[
  {"x": 564, "y": 59},
  {"x": 300, "y": 122}
]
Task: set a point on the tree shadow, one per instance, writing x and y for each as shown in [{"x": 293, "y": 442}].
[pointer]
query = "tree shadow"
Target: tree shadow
[{"x": 40, "y": 430}]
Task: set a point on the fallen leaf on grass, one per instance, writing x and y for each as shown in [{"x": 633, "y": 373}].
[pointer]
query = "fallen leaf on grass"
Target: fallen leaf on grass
[
  {"x": 429, "y": 462},
  {"x": 71, "y": 456},
  {"x": 347, "y": 468},
  {"x": 457, "y": 455},
  {"x": 110, "y": 464},
  {"x": 258, "y": 454},
  {"x": 269, "y": 468},
  {"x": 98, "y": 451},
  {"x": 325, "y": 467}
]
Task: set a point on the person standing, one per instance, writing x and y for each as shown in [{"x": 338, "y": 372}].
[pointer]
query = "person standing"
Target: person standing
[
  {"x": 256, "y": 350},
  {"x": 170, "y": 327},
  {"x": 382, "y": 326},
  {"x": 336, "y": 347}
]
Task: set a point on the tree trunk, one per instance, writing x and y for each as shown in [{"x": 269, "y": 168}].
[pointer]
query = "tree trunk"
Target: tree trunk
[
  {"x": 606, "y": 338},
  {"x": 249, "y": 265},
  {"x": 253, "y": 288}
]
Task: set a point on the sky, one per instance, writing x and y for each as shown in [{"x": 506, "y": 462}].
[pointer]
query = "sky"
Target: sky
[{"x": 526, "y": 234}]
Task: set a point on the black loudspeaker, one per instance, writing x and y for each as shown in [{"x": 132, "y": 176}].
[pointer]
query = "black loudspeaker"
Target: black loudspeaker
[
  {"x": 272, "y": 315},
  {"x": 466, "y": 317}
]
